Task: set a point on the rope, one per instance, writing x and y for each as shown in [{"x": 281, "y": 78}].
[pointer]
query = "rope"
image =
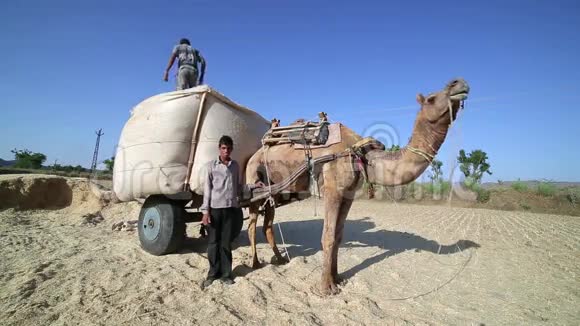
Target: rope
[
  {"x": 450, "y": 112},
  {"x": 315, "y": 211},
  {"x": 311, "y": 167},
  {"x": 283, "y": 242},
  {"x": 428, "y": 157},
  {"x": 270, "y": 199},
  {"x": 298, "y": 172}
]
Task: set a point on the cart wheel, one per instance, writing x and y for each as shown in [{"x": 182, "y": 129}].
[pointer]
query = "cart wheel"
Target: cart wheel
[{"x": 161, "y": 225}]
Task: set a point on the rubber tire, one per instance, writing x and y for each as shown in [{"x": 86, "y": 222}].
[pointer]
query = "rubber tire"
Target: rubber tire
[{"x": 171, "y": 229}]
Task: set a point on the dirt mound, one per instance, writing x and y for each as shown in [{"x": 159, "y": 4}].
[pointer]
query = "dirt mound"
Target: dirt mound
[{"x": 32, "y": 191}]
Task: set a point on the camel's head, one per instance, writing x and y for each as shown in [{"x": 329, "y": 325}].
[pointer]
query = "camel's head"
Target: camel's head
[{"x": 436, "y": 106}]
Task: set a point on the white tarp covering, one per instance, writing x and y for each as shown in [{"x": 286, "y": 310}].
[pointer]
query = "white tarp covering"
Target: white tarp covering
[{"x": 156, "y": 142}]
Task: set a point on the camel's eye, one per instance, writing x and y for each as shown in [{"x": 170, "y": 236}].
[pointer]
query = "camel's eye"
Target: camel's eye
[{"x": 431, "y": 99}]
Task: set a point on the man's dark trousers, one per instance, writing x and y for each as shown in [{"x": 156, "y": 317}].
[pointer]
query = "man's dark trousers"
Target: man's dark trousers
[{"x": 219, "y": 248}]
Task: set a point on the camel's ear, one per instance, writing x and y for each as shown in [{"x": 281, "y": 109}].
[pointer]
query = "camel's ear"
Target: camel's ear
[{"x": 420, "y": 98}]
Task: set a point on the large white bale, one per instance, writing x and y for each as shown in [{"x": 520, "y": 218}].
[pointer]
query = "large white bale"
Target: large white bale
[{"x": 158, "y": 139}]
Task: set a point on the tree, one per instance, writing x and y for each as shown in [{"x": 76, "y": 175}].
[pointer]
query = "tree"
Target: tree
[
  {"x": 393, "y": 148},
  {"x": 110, "y": 163},
  {"x": 28, "y": 160},
  {"x": 436, "y": 172},
  {"x": 473, "y": 165}
]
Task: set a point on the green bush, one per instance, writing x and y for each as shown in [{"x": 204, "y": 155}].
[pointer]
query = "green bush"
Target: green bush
[
  {"x": 483, "y": 195},
  {"x": 409, "y": 191},
  {"x": 438, "y": 187},
  {"x": 520, "y": 186},
  {"x": 546, "y": 189},
  {"x": 443, "y": 187},
  {"x": 525, "y": 206},
  {"x": 573, "y": 196}
]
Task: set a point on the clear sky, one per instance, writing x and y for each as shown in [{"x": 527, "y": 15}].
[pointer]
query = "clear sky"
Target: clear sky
[{"x": 68, "y": 68}]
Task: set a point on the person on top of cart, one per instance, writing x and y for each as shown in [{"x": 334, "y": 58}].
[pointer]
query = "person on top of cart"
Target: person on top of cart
[{"x": 188, "y": 60}]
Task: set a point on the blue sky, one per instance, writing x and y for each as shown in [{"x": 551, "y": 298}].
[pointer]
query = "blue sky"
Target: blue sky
[{"x": 69, "y": 68}]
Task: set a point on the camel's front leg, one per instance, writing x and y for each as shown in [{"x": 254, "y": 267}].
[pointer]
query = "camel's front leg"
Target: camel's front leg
[
  {"x": 269, "y": 234},
  {"x": 252, "y": 234},
  {"x": 339, "y": 231},
  {"x": 332, "y": 203}
]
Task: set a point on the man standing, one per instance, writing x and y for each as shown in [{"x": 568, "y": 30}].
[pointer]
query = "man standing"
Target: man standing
[
  {"x": 188, "y": 60},
  {"x": 220, "y": 208}
]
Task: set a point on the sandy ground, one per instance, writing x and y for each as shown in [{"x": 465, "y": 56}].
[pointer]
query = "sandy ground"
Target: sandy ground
[{"x": 403, "y": 264}]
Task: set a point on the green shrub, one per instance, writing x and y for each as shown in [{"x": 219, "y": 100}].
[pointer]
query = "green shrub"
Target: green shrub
[
  {"x": 483, "y": 195},
  {"x": 444, "y": 187},
  {"x": 525, "y": 206},
  {"x": 573, "y": 196},
  {"x": 438, "y": 187},
  {"x": 546, "y": 189},
  {"x": 520, "y": 186},
  {"x": 409, "y": 191}
]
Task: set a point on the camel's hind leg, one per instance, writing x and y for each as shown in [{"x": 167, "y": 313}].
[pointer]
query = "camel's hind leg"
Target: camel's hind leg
[
  {"x": 269, "y": 234},
  {"x": 252, "y": 234}
]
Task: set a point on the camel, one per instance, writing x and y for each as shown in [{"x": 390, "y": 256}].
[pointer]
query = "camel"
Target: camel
[{"x": 339, "y": 179}]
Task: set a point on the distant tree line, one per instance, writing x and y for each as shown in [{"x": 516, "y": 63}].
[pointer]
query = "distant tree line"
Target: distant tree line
[
  {"x": 69, "y": 168},
  {"x": 26, "y": 159}
]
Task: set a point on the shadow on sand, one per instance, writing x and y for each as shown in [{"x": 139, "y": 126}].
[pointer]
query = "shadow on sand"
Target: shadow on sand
[
  {"x": 194, "y": 243},
  {"x": 303, "y": 239}
]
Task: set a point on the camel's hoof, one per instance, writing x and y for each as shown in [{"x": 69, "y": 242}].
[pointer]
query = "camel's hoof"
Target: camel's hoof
[
  {"x": 329, "y": 289},
  {"x": 256, "y": 264},
  {"x": 339, "y": 280},
  {"x": 279, "y": 260}
]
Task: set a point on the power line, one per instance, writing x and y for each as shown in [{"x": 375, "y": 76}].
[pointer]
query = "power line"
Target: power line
[{"x": 96, "y": 153}]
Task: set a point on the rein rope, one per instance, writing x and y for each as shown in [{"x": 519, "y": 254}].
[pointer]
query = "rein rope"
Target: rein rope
[
  {"x": 270, "y": 200},
  {"x": 430, "y": 157}
]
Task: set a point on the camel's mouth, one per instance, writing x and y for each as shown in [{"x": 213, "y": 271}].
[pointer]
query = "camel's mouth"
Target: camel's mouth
[
  {"x": 459, "y": 96},
  {"x": 458, "y": 89}
]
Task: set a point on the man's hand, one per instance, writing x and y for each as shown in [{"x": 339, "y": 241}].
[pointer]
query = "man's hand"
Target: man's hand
[
  {"x": 166, "y": 75},
  {"x": 259, "y": 184},
  {"x": 205, "y": 220}
]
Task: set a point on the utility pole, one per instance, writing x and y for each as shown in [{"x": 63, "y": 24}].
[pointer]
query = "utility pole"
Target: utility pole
[{"x": 96, "y": 153}]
